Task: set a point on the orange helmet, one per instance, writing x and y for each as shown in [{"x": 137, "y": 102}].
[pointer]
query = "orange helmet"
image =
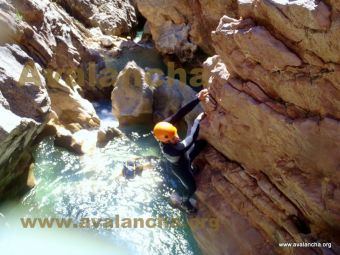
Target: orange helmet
[{"x": 164, "y": 131}]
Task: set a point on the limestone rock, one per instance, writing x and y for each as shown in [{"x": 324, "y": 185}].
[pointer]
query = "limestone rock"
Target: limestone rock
[
  {"x": 180, "y": 26},
  {"x": 132, "y": 97},
  {"x": 72, "y": 111},
  {"x": 275, "y": 177},
  {"x": 106, "y": 41},
  {"x": 107, "y": 134},
  {"x": 141, "y": 96},
  {"x": 81, "y": 142},
  {"x": 114, "y": 17},
  {"x": 27, "y": 100},
  {"x": 172, "y": 95},
  {"x": 279, "y": 72},
  {"x": 23, "y": 110},
  {"x": 51, "y": 38},
  {"x": 31, "y": 180},
  {"x": 174, "y": 39},
  {"x": 246, "y": 206},
  {"x": 37, "y": 37},
  {"x": 65, "y": 139}
]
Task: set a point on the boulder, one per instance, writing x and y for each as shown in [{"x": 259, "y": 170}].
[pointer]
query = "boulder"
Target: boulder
[
  {"x": 107, "y": 134},
  {"x": 143, "y": 96},
  {"x": 107, "y": 41},
  {"x": 132, "y": 97},
  {"x": 171, "y": 96},
  {"x": 65, "y": 139},
  {"x": 84, "y": 141},
  {"x": 71, "y": 110},
  {"x": 31, "y": 180}
]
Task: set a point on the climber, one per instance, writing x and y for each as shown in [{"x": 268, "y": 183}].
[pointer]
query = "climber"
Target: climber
[
  {"x": 180, "y": 153},
  {"x": 135, "y": 166}
]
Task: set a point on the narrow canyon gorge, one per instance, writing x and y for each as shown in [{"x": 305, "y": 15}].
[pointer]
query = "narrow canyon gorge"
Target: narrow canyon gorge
[{"x": 271, "y": 171}]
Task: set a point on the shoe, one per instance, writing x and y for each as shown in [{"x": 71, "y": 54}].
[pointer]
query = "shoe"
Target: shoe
[
  {"x": 184, "y": 204},
  {"x": 189, "y": 208},
  {"x": 194, "y": 170}
]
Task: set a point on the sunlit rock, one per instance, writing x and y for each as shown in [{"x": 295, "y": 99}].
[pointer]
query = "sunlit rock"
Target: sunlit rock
[
  {"x": 132, "y": 97},
  {"x": 113, "y": 17},
  {"x": 107, "y": 134},
  {"x": 179, "y": 27},
  {"x": 171, "y": 96},
  {"x": 72, "y": 111},
  {"x": 275, "y": 177},
  {"x": 142, "y": 96},
  {"x": 23, "y": 114}
]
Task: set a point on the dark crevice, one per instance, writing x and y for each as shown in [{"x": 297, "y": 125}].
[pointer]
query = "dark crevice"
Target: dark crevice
[{"x": 301, "y": 224}]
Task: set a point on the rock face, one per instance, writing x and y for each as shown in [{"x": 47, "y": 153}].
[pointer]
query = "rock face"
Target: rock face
[
  {"x": 275, "y": 177},
  {"x": 58, "y": 44},
  {"x": 57, "y": 41},
  {"x": 41, "y": 47},
  {"x": 181, "y": 26},
  {"x": 107, "y": 134},
  {"x": 23, "y": 111},
  {"x": 172, "y": 95},
  {"x": 72, "y": 111},
  {"x": 132, "y": 98},
  {"x": 140, "y": 96},
  {"x": 114, "y": 17}
]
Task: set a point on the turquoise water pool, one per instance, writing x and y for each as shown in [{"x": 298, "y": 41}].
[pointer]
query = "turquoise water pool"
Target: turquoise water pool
[{"x": 91, "y": 187}]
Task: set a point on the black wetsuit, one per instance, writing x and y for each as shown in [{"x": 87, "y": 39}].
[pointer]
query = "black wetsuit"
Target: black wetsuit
[{"x": 180, "y": 155}]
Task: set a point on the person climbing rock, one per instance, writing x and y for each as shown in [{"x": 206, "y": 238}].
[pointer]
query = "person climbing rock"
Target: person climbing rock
[{"x": 180, "y": 153}]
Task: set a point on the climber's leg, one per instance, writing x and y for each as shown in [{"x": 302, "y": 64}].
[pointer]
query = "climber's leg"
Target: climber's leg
[
  {"x": 197, "y": 148},
  {"x": 183, "y": 173}
]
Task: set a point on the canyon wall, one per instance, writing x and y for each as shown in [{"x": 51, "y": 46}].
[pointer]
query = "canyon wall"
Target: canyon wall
[
  {"x": 42, "y": 48},
  {"x": 112, "y": 17},
  {"x": 273, "y": 174},
  {"x": 180, "y": 27},
  {"x": 23, "y": 110}
]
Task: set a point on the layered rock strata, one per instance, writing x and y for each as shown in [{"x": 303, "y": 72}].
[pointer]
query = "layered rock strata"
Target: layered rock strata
[
  {"x": 23, "y": 113},
  {"x": 273, "y": 175},
  {"x": 114, "y": 17}
]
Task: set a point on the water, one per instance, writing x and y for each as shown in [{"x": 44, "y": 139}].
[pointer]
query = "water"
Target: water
[
  {"x": 139, "y": 36},
  {"x": 91, "y": 186}
]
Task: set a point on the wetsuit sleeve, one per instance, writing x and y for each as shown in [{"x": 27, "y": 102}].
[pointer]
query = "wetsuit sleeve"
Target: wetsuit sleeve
[
  {"x": 182, "y": 112},
  {"x": 183, "y": 146}
]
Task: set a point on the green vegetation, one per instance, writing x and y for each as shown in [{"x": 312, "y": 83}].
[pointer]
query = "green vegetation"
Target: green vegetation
[{"x": 18, "y": 16}]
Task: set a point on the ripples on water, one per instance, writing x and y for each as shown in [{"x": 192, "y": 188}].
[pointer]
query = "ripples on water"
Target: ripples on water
[{"x": 90, "y": 186}]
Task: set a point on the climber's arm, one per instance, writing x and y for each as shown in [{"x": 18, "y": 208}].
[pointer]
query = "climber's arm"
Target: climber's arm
[{"x": 183, "y": 111}]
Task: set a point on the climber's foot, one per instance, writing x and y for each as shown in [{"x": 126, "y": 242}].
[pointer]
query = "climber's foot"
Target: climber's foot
[{"x": 188, "y": 206}]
